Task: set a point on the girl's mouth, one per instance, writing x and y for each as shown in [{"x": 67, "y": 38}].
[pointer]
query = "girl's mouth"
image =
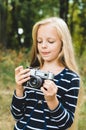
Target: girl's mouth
[{"x": 45, "y": 53}]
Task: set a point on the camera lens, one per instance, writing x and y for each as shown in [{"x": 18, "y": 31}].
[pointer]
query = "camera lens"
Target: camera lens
[{"x": 35, "y": 82}]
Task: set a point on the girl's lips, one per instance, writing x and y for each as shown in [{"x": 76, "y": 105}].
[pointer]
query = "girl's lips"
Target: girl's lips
[{"x": 45, "y": 53}]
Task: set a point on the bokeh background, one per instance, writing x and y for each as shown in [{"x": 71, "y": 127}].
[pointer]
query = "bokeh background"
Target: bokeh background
[{"x": 16, "y": 20}]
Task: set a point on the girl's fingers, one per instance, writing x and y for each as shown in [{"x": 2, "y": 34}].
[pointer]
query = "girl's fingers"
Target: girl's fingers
[
  {"x": 44, "y": 90},
  {"x": 23, "y": 81},
  {"x": 18, "y": 69},
  {"x": 24, "y": 71},
  {"x": 21, "y": 77},
  {"x": 49, "y": 88},
  {"x": 47, "y": 84}
]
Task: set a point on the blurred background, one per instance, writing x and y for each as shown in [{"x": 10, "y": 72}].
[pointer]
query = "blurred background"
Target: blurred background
[{"x": 16, "y": 20}]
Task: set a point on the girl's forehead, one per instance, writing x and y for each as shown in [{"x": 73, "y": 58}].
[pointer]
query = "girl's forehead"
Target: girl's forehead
[
  {"x": 48, "y": 29},
  {"x": 47, "y": 25}
]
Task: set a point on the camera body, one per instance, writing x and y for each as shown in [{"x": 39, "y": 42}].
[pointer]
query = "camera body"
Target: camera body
[{"x": 37, "y": 78}]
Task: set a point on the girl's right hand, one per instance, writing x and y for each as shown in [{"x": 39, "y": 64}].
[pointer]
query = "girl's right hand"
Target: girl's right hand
[{"x": 21, "y": 76}]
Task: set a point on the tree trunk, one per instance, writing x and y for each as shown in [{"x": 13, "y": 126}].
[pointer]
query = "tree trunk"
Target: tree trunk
[
  {"x": 3, "y": 19},
  {"x": 64, "y": 4}
]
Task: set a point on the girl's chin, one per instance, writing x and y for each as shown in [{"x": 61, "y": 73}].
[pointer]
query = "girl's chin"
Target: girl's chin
[{"x": 47, "y": 59}]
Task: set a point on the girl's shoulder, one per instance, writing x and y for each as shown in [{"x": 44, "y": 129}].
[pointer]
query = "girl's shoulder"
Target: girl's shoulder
[
  {"x": 72, "y": 73},
  {"x": 67, "y": 74}
]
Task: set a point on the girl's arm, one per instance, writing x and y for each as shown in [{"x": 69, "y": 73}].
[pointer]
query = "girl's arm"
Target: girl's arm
[
  {"x": 63, "y": 113},
  {"x": 18, "y": 100},
  {"x": 17, "y": 106}
]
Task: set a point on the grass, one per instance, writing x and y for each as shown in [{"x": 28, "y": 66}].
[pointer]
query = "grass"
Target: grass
[
  {"x": 8, "y": 61},
  {"x": 82, "y": 120},
  {"x": 6, "y": 120},
  {"x": 82, "y": 114}
]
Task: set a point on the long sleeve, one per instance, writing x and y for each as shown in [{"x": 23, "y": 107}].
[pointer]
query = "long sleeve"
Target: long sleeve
[
  {"x": 68, "y": 96},
  {"x": 17, "y": 106}
]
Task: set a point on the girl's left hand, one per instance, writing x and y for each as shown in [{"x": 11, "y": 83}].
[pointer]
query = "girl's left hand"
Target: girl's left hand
[{"x": 49, "y": 89}]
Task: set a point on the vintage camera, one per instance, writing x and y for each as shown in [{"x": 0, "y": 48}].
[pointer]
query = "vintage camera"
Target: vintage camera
[{"x": 37, "y": 78}]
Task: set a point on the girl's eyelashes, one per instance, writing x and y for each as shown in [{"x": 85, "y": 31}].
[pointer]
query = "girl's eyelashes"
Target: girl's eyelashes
[
  {"x": 51, "y": 42},
  {"x": 39, "y": 41}
]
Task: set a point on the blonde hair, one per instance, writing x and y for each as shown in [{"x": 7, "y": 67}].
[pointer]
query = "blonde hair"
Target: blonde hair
[{"x": 66, "y": 56}]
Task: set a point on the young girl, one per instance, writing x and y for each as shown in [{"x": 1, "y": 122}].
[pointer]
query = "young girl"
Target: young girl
[{"x": 52, "y": 106}]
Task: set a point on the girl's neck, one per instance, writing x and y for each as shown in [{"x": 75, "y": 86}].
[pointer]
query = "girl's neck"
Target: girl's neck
[{"x": 52, "y": 67}]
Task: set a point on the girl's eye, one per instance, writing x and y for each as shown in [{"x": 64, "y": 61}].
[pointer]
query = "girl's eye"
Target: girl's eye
[
  {"x": 39, "y": 42},
  {"x": 51, "y": 42}
]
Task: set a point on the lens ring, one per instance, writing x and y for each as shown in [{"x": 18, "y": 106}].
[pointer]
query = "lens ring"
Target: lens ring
[{"x": 35, "y": 82}]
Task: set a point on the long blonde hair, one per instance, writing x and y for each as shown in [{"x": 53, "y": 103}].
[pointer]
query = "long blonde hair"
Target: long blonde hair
[{"x": 66, "y": 56}]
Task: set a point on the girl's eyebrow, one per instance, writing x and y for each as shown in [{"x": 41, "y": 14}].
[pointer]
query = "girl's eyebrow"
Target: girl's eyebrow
[
  {"x": 38, "y": 38},
  {"x": 51, "y": 39}
]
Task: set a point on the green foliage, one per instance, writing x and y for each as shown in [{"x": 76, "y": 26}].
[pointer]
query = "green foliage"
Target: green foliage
[
  {"x": 8, "y": 61},
  {"x": 82, "y": 119},
  {"x": 77, "y": 24},
  {"x": 24, "y": 13}
]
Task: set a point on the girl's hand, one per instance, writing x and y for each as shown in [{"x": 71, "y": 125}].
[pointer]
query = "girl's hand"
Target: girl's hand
[
  {"x": 21, "y": 76},
  {"x": 50, "y": 89}
]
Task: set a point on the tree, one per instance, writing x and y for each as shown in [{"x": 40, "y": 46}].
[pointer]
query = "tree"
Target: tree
[
  {"x": 82, "y": 26},
  {"x": 23, "y": 15},
  {"x": 3, "y": 19},
  {"x": 64, "y": 6},
  {"x": 77, "y": 24}
]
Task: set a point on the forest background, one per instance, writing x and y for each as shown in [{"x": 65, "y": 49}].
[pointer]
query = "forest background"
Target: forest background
[{"x": 16, "y": 20}]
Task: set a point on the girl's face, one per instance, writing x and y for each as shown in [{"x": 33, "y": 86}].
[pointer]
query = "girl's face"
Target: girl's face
[{"x": 48, "y": 42}]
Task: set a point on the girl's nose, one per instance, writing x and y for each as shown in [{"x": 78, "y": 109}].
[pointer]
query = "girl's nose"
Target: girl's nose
[{"x": 44, "y": 44}]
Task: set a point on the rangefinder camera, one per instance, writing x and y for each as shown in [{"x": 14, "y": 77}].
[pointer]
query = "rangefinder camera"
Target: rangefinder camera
[{"x": 37, "y": 78}]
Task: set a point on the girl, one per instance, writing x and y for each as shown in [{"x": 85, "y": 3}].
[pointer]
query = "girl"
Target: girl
[{"x": 51, "y": 107}]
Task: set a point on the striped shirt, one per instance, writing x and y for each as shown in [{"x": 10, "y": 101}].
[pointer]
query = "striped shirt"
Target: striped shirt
[{"x": 32, "y": 113}]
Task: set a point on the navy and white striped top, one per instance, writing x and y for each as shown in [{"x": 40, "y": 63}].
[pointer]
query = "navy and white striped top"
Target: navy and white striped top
[{"x": 32, "y": 113}]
